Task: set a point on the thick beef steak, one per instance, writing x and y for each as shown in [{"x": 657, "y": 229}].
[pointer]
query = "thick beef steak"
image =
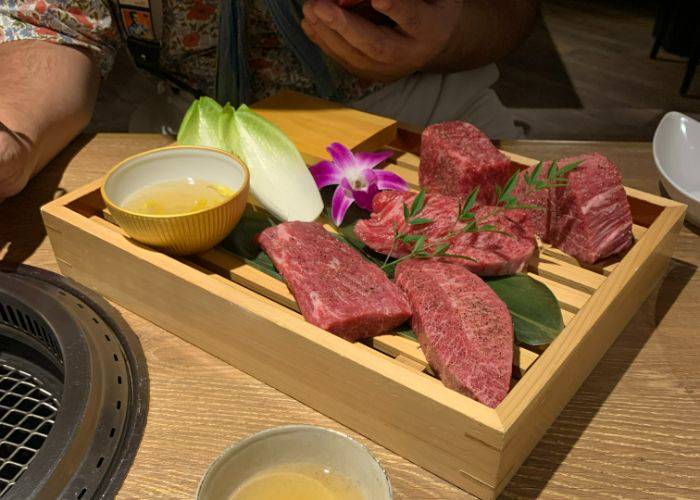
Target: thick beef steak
[
  {"x": 464, "y": 329},
  {"x": 493, "y": 254},
  {"x": 336, "y": 288},
  {"x": 456, "y": 157},
  {"x": 590, "y": 218}
]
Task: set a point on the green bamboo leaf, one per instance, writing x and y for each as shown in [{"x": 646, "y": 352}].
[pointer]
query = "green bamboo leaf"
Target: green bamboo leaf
[
  {"x": 420, "y": 243},
  {"x": 411, "y": 238},
  {"x": 493, "y": 229},
  {"x": 415, "y": 222},
  {"x": 552, "y": 172},
  {"x": 535, "y": 311},
  {"x": 418, "y": 203},
  {"x": 469, "y": 203},
  {"x": 510, "y": 185},
  {"x": 536, "y": 314},
  {"x": 241, "y": 241},
  {"x": 406, "y": 214},
  {"x": 568, "y": 168},
  {"x": 441, "y": 249},
  {"x": 536, "y": 171},
  {"x": 470, "y": 228}
]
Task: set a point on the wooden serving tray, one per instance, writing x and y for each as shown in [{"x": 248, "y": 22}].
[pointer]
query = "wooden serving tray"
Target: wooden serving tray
[{"x": 382, "y": 388}]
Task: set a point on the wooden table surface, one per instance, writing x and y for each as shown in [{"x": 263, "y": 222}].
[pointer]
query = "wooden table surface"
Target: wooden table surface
[{"x": 632, "y": 430}]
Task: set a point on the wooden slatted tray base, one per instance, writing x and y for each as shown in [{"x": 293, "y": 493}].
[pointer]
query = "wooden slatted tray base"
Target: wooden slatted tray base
[{"x": 383, "y": 387}]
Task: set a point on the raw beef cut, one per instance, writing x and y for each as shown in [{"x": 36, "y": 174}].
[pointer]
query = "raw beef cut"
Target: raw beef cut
[
  {"x": 537, "y": 219},
  {"x": 336, "y": 288},
  {"x": 590, "y": 218},
  {"x": 377, "y": 232},
  {"x": 463, "y": 327},
  {"x": 456, "y": 157},
  {"x": 494, "y": 254}
]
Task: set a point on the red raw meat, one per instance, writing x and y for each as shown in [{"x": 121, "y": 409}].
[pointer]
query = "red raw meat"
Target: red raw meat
[
  {"x": 496, "y": 254},
  {"x": 377, "y": 231},
  {"x": 336, "y": 288},
  {"x": 590, "y": 218},
  {"x": 538, "y": 220},
  {"x": 456, "y": 157},
  {"x": 463, "y": 327}
]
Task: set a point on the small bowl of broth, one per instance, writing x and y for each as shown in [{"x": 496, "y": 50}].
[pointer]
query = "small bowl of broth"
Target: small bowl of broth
[
  {"x": 296, "y": 462},
  {"x": 180, "y": 200}
]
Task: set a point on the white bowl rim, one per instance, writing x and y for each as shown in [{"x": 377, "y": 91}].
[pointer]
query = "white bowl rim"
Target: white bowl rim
[
  {"x": 292, "y": 427},
  {"x": 659, "y": 165},
  {"x": 177, "y": 147}
]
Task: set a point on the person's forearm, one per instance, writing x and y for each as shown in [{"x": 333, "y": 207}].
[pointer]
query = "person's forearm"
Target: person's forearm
[
  {"x": 490, "y": 30},
  {"x": 47, "y": 93}
]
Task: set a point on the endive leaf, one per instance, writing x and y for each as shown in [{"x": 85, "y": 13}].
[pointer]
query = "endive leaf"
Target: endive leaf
[
  {"x": 279, "y": 178},
  {"x": 199, "y": 127}
]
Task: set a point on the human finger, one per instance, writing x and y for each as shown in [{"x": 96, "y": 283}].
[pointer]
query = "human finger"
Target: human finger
[
  {"x": 380, "y": 43},
  {"x": 420, "y": 18},
  {"x": 338, "y": 49}
]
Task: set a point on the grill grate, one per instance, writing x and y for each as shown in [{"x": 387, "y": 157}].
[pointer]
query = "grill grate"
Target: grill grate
[
  {"x": 27, "y": 414},
  {"x": 31, "y": 325}
]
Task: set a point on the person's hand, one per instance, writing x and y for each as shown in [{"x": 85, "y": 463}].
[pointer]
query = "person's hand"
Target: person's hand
[
  {"x": 423, "y": 32},
  {"x": 16, "y": 162}
]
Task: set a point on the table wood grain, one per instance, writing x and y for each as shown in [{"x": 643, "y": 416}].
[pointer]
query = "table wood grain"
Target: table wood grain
[{"x": 631, "y": 431}]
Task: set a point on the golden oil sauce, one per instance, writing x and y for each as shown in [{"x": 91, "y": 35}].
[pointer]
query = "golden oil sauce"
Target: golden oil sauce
[
  {"x": 176, "y": 197},
  {"x": 298, "y": 481}
]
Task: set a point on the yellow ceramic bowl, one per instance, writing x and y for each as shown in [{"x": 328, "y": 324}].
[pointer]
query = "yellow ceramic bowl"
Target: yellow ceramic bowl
[{"x": 181, "y": 234}]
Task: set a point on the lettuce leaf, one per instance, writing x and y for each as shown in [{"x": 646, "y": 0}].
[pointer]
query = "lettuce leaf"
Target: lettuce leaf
[{"x": 279, "y": 179}]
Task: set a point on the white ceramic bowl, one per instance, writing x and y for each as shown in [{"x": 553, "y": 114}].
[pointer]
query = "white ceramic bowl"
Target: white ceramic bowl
[
  {"x": 677, "y": 157},
  {"x": 294, "y": 444}
]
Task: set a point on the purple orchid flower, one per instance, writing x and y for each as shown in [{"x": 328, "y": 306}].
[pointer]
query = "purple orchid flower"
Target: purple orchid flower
[{"x": 355, "y": 177}]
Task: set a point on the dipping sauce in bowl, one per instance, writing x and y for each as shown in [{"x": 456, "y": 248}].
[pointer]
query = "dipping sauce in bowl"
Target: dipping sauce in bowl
[
  {"x": 296, "y": 462},
  {"x": 298, "y": 481},
  {"x": 180, "y": 200},
  {"x": 177, "y": 197}
]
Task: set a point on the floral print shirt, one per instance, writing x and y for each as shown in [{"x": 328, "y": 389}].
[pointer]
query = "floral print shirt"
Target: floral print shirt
[{"x": 189, "y": 41}]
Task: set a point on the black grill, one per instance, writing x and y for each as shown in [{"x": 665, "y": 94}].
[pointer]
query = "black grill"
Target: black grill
[
  {"x": 73, "y": 389},
  {"x": 27, "y": 414},
  {"x": 36, "y": 327}
]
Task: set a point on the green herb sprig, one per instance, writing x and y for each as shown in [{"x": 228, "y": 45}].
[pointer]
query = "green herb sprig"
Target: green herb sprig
[
  {"x": 416, "y": 241},
  {"x": 506, "y": 200}
]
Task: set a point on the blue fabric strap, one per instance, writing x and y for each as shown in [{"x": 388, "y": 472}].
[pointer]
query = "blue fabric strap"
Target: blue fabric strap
[
  {"x": 233, "y": 74},
  {"x": 232, "y": 78},
  {"x": 287, "y": 17}
]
